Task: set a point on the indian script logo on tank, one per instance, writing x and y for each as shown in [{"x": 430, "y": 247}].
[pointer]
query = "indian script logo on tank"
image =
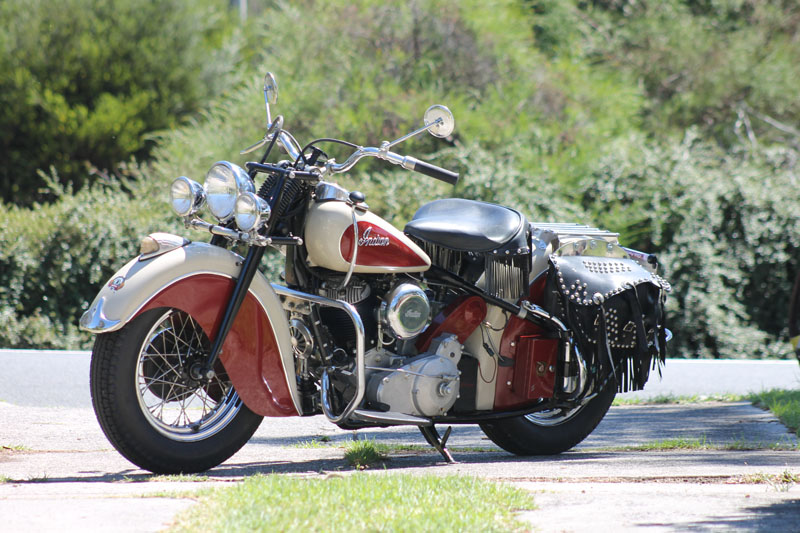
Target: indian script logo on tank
[{"x": 367, "y": 239}]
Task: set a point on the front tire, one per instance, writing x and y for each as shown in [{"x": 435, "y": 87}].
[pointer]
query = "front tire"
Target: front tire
[
  {"x": 549, "y": 432},
  {"x": 149, "y": 406}
]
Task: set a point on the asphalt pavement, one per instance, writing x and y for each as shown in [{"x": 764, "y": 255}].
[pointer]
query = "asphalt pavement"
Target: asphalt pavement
[
  {"x": 59, "y": 473},
  {"x": 42, "y": 378}
]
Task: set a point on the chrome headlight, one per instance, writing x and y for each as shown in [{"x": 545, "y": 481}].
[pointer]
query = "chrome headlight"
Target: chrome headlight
[
  {"x": 252, "y": 212},
  {"x": 224, "y": 182},
  {"x": 186, "y": 196}
]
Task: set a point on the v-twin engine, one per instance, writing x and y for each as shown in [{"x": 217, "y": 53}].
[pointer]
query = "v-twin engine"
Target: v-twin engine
[{"x": 425, "y": 385}]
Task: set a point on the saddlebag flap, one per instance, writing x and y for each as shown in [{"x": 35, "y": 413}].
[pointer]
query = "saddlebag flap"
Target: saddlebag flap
[{"x": 615, "y": 310}]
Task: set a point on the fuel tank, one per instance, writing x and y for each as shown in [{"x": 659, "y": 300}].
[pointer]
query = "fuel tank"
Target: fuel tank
[{"x": 381, "y": 248}]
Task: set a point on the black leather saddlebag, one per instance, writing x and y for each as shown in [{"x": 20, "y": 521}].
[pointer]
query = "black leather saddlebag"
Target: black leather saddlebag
[{"x": 615, "y": 309}]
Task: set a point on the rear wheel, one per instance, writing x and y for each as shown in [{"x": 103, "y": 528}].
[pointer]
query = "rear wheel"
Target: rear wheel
[
  {"x": 549, "y": 432},
  {"x": 151, "y": 408}
]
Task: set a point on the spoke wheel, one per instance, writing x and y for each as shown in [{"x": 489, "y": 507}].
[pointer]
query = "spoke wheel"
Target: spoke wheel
[
  {"x": 152, "y": 404},
  {"x": 175, "y": 404}
]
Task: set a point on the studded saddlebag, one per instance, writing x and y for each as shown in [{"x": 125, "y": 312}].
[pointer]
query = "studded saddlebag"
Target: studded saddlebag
[{"x": 615, "y": 309}]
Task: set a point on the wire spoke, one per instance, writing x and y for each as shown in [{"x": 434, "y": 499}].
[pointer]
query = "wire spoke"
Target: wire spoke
[{"x": 173, "y": 402}]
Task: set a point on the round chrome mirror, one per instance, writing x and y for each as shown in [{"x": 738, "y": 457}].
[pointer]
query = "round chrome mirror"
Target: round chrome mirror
[
  {"x": 442, "y": 120},
  {"x": 270, "y": 88}
]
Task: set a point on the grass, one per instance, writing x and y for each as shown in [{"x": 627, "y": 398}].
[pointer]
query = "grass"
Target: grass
[
  {"x": 358, "y": 502},
  {"x": 384, "y": 448},
  {"x": 315, "y": 443},
  {"x": 780, "y": 482},
  {"x": 362, "y": 454},
  {"x": 701, "y": 443},
  {"x": 672, "y": 399},
  {"x": 15, "y": 448},
  {"x": 784, "y": 404}
]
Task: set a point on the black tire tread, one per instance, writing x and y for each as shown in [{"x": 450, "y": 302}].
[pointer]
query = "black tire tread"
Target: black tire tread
[{"x": 520, "y": 436}]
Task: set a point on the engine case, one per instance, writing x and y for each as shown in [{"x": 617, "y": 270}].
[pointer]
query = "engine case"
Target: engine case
[{"x": 425, "y": 385}]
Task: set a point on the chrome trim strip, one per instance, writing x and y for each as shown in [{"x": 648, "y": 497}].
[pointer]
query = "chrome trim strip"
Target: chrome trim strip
[{"x": 359, "y": 371}]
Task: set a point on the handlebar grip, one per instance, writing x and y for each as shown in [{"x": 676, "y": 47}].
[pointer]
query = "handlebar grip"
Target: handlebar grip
[{"x": 433, "y": 171}]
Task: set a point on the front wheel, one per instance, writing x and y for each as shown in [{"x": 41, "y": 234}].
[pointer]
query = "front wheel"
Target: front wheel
[
  {"x": 149, "y": 406},
  {"x": 549, "y": 432}
]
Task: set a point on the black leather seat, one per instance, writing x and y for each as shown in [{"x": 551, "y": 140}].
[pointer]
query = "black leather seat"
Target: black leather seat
[{"x": 468, "y": 225}]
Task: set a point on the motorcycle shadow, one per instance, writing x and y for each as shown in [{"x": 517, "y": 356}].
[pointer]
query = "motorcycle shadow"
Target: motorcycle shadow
[{"x": 400, "y": 461}]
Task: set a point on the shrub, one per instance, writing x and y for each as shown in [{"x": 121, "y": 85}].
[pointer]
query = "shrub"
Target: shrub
[
  {"x": 84, "y": 82},
  {"x": 727, "y": 237},
  {"x": 54, "y": 258}
]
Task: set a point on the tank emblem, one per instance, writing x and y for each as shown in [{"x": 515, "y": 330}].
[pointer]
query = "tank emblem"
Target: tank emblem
[
  {"x": 368, "y": 240},
  {"x": 116, "y": 283},
  {"x": 381, "y": 247}
]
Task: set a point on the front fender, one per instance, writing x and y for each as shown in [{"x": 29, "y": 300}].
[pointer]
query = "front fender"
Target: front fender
[{"x": 198, "y": 278}]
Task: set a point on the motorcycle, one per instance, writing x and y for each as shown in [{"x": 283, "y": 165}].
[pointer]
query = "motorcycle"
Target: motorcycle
[{"x": 470, "y": 315}]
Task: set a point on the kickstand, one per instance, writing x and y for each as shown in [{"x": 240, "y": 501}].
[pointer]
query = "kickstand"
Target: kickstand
[{"x": 440, "y": 443}]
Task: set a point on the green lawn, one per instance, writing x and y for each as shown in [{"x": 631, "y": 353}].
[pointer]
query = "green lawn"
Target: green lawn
[
  {"x": 784, "y": 404},
  {"x": 358, "y": 502}
]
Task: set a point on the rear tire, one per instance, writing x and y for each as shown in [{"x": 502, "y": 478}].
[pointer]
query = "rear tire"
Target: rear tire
[
  {"x": 151, "y": 410},
  {"x": 549, "y": 432}
]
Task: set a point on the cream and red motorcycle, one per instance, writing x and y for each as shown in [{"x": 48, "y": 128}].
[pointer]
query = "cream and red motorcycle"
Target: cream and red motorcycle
[{"x": 470, "y": 315}]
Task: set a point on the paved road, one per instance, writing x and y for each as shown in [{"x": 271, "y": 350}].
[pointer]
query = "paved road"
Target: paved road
[
  {"x": 61, "y": 378},
  {"x": 67, "y": 477}
]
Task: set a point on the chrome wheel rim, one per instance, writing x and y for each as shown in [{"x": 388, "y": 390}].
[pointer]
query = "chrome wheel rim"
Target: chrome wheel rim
[
  {"x": 553, "y": 417},
  {"x": 174, "y": 404}
]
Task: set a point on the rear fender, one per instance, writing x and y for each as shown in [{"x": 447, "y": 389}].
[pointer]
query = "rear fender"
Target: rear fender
[{"x": 198, "y": 278}]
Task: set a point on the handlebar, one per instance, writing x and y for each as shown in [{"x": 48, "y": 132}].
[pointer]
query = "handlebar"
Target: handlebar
[
  {"x": 407, "y": 162},
  {"x": 435, "y": 172}
]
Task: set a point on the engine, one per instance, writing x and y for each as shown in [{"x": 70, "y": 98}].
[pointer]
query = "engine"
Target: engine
[
  {"x": 396, "y": 313},
  {"x": 405, "y": 311},
  {"x": 425, "y": 385}
]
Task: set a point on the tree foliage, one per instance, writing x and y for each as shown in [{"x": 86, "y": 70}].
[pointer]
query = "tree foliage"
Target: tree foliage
[
  {"x": 85, "y": 81},
  {"x": 673, "y": 122},
  {"x": 728, "y": 67}
]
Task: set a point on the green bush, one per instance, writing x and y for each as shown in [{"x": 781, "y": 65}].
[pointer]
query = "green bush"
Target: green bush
[
  {"x": 85, "y": 81},
  {"x": 727, "y": 236},
  {"x": 371, "y": 70},
  {"x": 729, "y": 67},
  {"x": 568, "y": 111},
  {"x": 54, "y": 258}
]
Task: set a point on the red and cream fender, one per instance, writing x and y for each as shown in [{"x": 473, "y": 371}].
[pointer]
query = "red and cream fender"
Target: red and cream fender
[{"x": 198, "y": 278}]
